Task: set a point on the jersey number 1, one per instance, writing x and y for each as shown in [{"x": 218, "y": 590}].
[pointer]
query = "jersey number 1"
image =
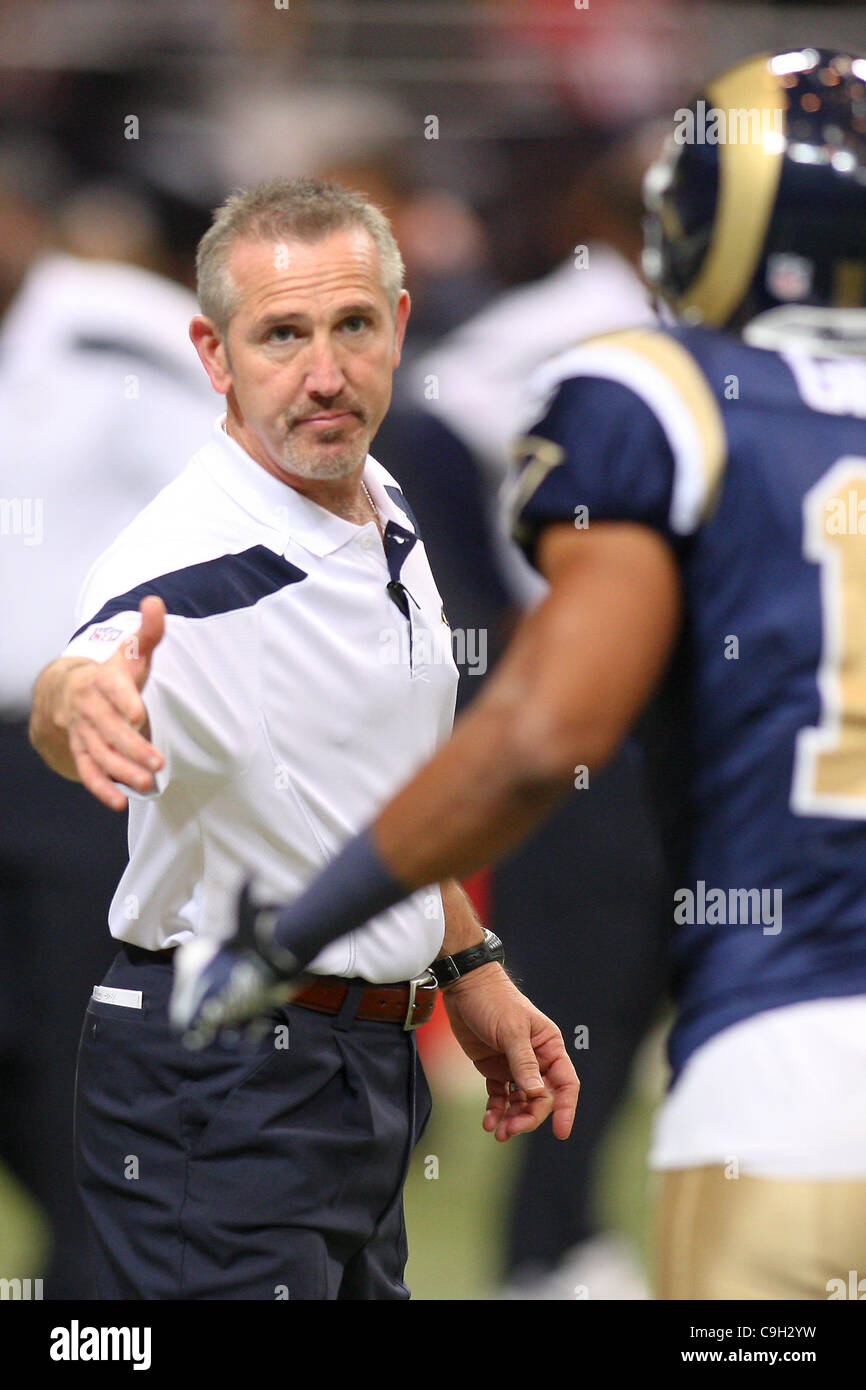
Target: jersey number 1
[{"x": 830, "y": 760}]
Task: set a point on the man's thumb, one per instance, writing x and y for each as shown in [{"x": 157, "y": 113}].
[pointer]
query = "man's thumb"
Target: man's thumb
[
  {"x": 524, "y": 1069},
  {"x": 152, "y": 629}
]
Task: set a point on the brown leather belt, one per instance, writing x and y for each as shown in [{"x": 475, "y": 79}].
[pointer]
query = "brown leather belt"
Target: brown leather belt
[{"x": 409, "y": 1003}]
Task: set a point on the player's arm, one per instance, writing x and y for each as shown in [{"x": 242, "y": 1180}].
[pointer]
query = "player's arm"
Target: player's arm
[
  {"x": 88, "y": 719},
  {"x": 577, "y": 673}
]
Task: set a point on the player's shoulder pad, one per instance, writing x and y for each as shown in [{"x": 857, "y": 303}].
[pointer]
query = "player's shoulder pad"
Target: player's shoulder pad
[{"x": 658, "y": 367}]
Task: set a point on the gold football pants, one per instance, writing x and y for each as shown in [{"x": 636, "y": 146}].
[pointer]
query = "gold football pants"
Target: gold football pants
[{"x": 722, "y": 1237}]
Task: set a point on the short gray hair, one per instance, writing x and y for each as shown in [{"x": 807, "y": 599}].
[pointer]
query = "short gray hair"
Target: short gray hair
[{"x": 299, "y": 209}]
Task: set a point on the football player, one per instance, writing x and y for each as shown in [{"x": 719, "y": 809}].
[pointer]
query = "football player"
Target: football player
[{"x": 701, "y": 488}]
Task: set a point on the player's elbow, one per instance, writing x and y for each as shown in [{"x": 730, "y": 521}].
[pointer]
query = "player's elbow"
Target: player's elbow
[{"x": 549, "y": 751}]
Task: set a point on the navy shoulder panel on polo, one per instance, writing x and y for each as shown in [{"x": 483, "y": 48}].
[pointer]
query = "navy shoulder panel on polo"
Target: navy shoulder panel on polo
[{"x": 221, "y": 585}]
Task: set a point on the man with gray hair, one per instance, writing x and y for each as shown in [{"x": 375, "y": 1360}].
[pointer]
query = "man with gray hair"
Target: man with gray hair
[{"x": 229, "y": 674}]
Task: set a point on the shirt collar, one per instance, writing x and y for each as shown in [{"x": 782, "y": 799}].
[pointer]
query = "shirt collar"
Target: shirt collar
[{"x": 281, "y": 507}]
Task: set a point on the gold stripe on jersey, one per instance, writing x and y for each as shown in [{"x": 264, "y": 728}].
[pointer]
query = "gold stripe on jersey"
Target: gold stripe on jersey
[
  {"x": 749, "y": 174},
  {"x": 699, "y": 403},
  {"x": 693, "y": 394}
]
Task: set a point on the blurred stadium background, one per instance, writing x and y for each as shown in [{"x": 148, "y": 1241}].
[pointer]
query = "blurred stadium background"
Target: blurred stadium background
[{"x": 498, "y": 136}]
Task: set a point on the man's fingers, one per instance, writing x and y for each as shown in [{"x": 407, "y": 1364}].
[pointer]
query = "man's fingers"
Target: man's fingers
[
  {"x": 562, "y": 1078},
  {"x": 525, "y": 1122},
  {"x": 95, "y": 781},
  {"x": 522, "y": 1116},
  {"x": 99, "y": 712},
  {"x": 111, "y": 763},
  {"x": 512, "y": 1110},
  {"x": 516, "y": 1114},
  {"x": 117, "y": 686},
  {"x": 100, "y": 716},
  {"x": 497, "y": 1104},
  {"x": 566, "y": 1088},
  {"x": 103, "y": 740}
]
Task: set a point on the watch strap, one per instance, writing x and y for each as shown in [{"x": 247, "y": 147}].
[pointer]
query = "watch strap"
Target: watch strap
[{"x": 447, "y": 969}]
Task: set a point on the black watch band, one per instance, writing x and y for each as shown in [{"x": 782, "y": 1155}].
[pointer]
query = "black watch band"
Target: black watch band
[{"x": 447, "y": 969}]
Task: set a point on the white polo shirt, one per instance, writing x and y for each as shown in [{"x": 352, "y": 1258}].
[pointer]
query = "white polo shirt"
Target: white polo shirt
[{"x": 290, "y": 696}]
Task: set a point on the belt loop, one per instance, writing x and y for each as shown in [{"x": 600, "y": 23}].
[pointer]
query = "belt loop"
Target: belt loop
[{"x": 350, "y": 1005}]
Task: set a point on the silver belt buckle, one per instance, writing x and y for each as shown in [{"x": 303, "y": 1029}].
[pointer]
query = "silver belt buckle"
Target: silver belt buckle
[{"x": 425, "y": 978}]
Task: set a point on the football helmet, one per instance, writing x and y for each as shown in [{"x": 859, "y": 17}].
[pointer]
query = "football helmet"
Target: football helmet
[{"x": 759, "y": 198}]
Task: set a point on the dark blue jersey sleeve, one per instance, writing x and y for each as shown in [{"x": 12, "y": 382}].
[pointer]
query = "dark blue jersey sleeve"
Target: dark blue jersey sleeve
[
  {"x": 599, "y": 454},
  {"x": 629, "y": 428}
]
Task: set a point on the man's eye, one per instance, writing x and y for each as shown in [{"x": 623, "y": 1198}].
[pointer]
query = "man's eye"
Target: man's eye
[
  {"x": 283, "y": 333},
  {"x": 357, "y": 323}
]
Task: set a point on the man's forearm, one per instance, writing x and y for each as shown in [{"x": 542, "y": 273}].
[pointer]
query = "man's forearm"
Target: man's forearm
[
  {"x": 462, "y": 927},
  {"x": 574, "y": 679}
]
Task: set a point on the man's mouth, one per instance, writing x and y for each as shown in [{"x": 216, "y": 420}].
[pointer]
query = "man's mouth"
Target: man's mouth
[{"x": 328, "y": 420}]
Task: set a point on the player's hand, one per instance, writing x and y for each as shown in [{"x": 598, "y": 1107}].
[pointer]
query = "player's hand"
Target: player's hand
[
  {"x": 100, "y": 710},
  {"x": 518, "y": 1049},
  {"x": 230, "y": 986}
]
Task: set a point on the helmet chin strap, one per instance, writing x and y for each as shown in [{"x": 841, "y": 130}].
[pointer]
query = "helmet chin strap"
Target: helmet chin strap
[{"x": 825, "y": 332}]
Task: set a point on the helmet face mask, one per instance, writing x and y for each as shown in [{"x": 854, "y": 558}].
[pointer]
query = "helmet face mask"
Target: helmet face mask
[{"x": 759, "y": 198}]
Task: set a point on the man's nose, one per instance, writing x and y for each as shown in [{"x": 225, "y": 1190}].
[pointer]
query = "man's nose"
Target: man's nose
[{"x": 324, "y": 375}]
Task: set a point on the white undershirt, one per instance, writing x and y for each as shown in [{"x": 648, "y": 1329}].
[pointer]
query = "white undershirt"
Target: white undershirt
[{"x": 783, "y": 1094}]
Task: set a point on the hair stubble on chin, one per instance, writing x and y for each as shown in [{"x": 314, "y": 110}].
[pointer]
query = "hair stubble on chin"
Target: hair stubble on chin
[
  {"x": 338, "y": 465},
  {"x": 334, "y": 464}
]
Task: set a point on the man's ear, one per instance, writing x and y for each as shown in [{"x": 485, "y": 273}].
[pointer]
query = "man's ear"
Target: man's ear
[
  {"x": 401, "y": 318},
  {"x": 208, "y": 342}
]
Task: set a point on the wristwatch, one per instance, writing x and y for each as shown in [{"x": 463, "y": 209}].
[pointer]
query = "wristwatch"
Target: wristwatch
[{"x": 447, "y": 969}]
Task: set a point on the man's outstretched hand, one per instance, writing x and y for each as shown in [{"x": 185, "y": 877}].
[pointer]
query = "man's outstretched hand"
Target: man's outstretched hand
[
  {"x": 519, "y": 1051},
  {"x": 89, "y": 721}
]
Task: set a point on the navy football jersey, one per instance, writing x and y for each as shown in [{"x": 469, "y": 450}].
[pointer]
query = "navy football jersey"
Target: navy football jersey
[{"x": 752, "y": 463}]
